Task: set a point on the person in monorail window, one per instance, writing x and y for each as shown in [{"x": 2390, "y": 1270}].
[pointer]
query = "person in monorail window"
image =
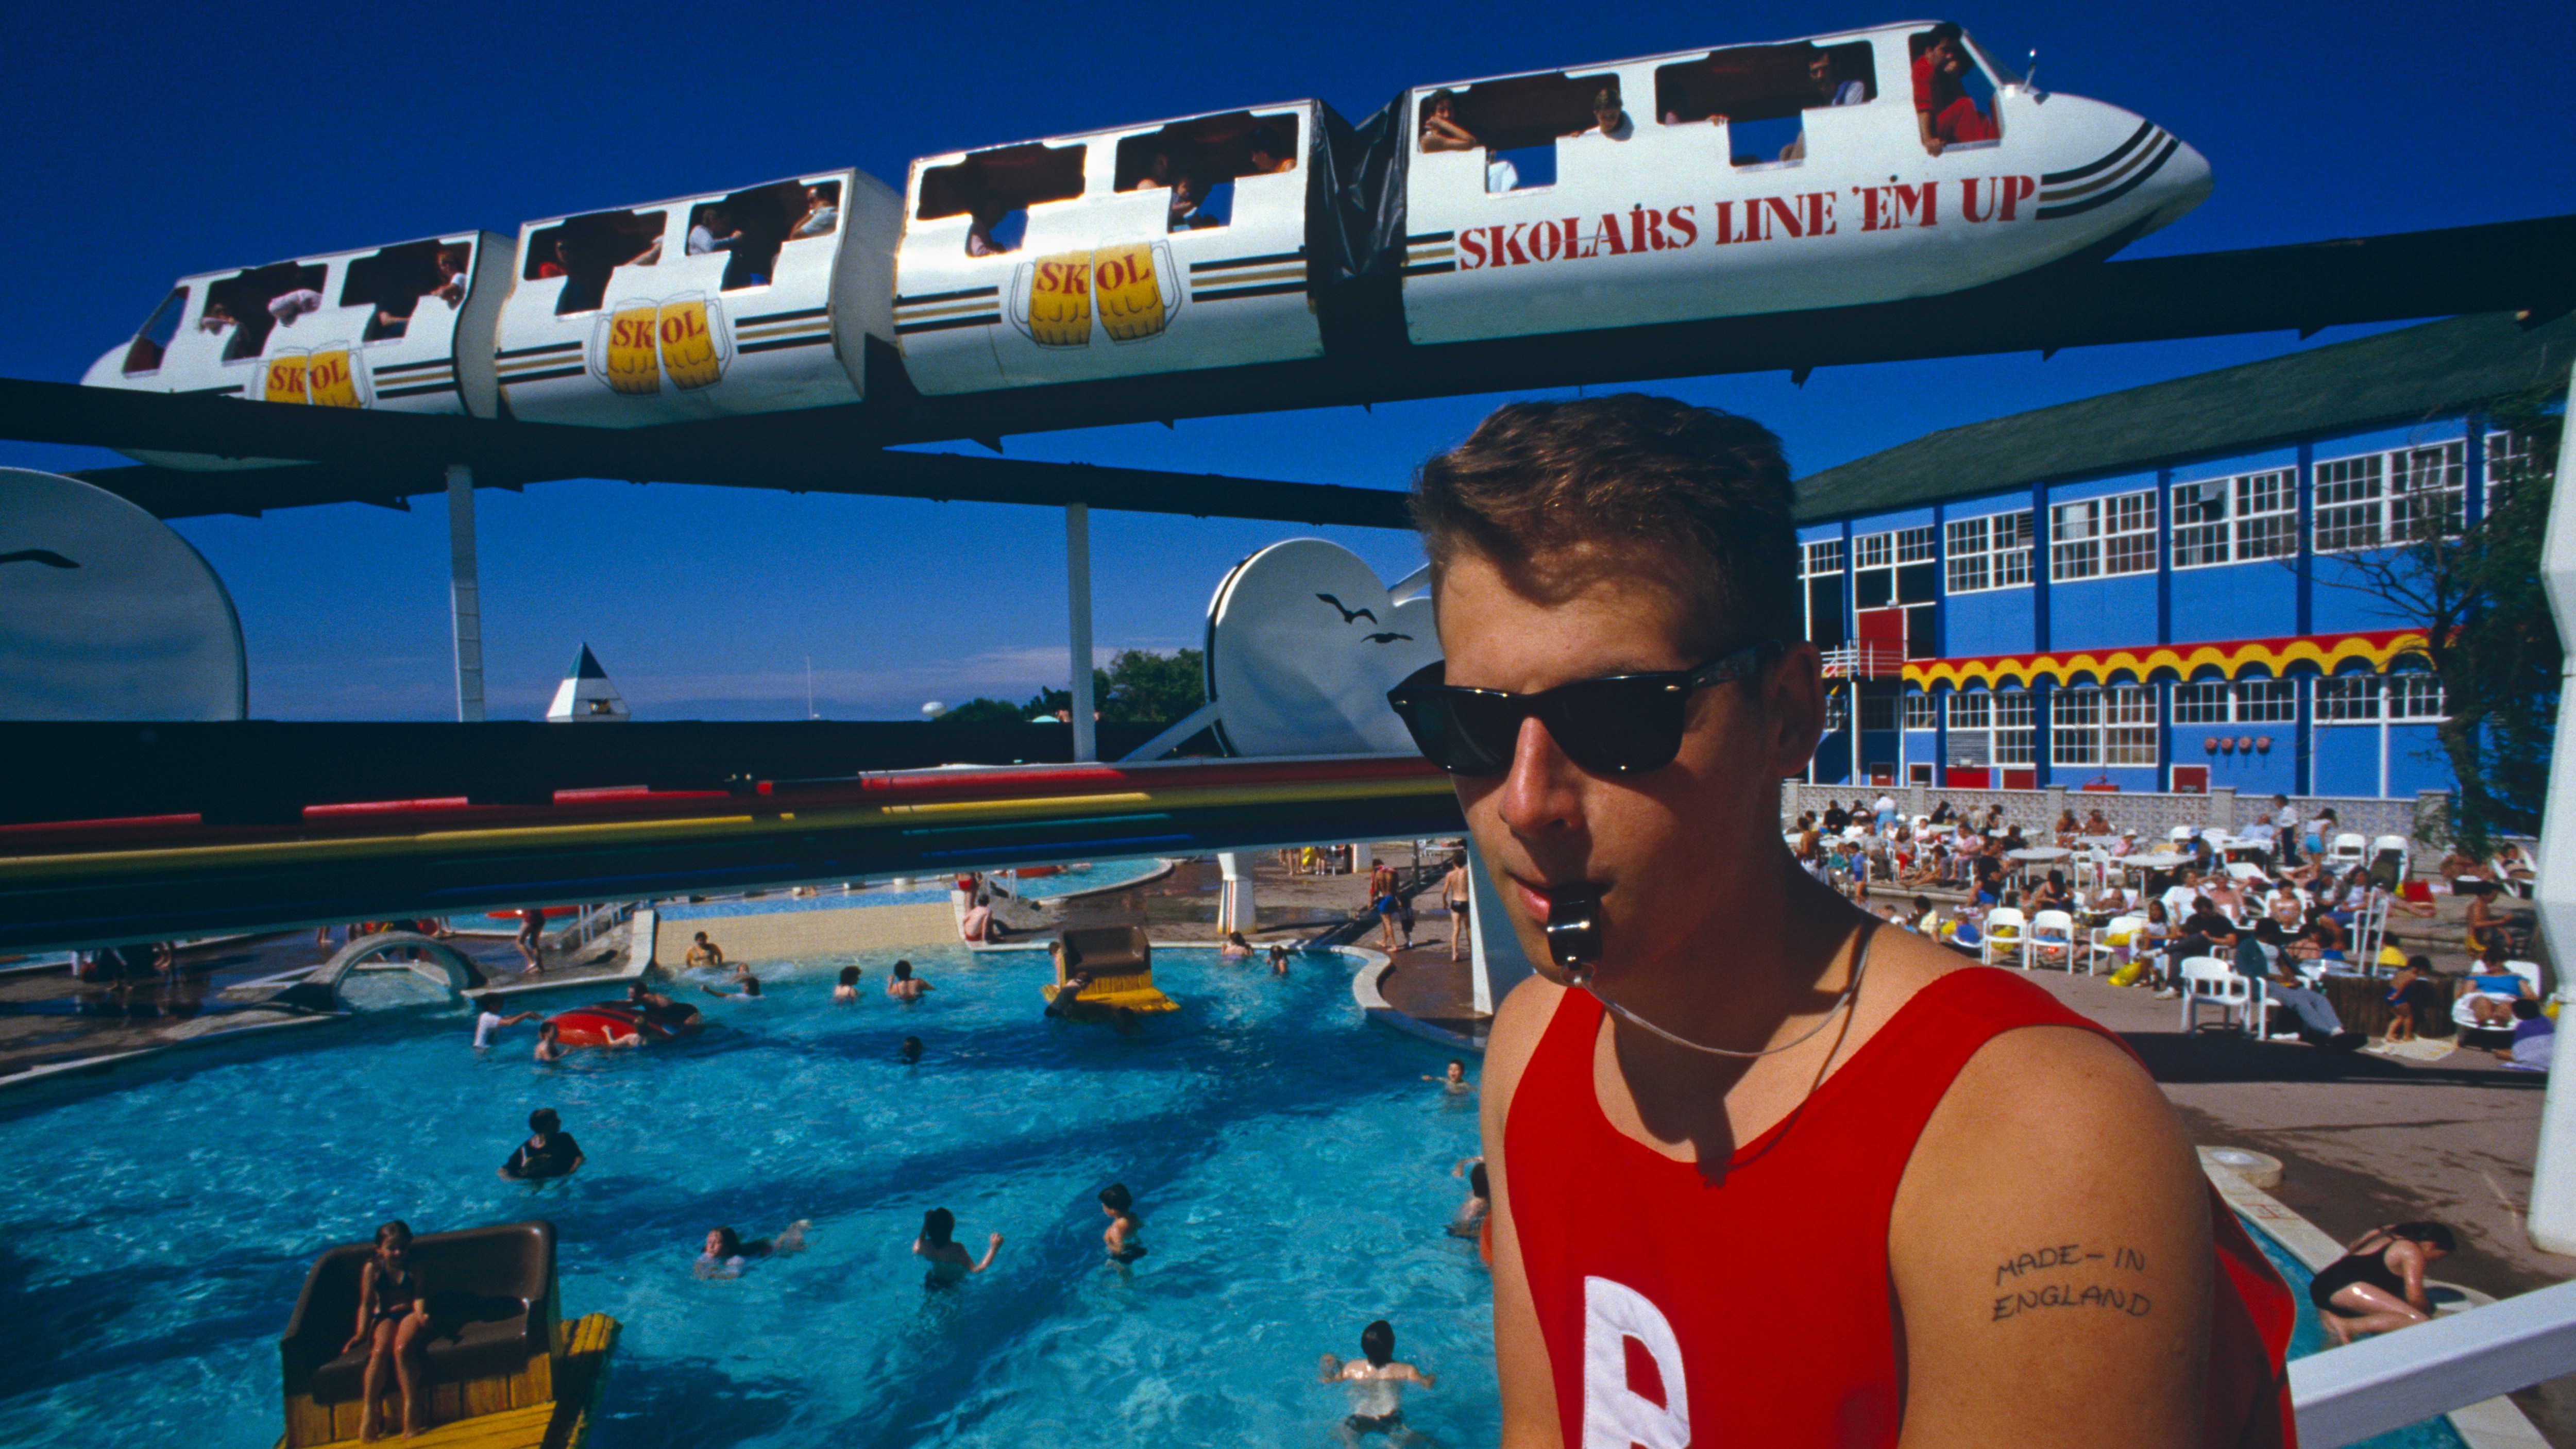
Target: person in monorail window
[
  {"x": 1943, "y": 110},
  {"x": 1266, "y": 154},
  {"x": 1440, "y": 128},
  {"x": 1608, "y": 117}
]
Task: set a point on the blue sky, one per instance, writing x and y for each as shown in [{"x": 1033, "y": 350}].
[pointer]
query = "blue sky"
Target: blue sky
[{"x": 144, "y": 142}]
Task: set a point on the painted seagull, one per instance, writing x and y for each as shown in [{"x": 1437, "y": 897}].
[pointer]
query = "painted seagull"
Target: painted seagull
[
  {"x": 1348, "y": 614},
  {"x": 53, "y": 560},
  {"x": 1387, "y": 638}
]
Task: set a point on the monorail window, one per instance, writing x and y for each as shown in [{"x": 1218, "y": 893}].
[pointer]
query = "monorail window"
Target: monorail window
[
  {"x": 152, "y": 342},
  {"x": 1518, "y": 121},
  {"x": 1761, "y": 93},
  {"x": 254, "y": 303},
  {"x": 1954, "y": 100},
  {"x": 1198, "y": 161},
  {"x": 396, "y": 280},
  {"x": 750, "y": 226},
  {"x": 583, "y": 250},
  {"x": 996, "y": 188}
]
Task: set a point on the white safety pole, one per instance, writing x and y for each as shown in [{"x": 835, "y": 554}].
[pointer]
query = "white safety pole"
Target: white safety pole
[
  {"x": 1077, "y": 582},
  {"x": 2552, "y": 1219},
  {"x": 1235, "y": 911},
  {"x": 1500, "y": 964},
  {"x": 464, "y": 593}
]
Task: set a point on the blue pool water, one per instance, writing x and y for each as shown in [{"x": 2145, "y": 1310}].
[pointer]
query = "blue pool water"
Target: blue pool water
[
  {"x": 2309, "y": 1338},
  {"x": 1092, "y": 876},
  {"x": 1291, "y": 1167}
]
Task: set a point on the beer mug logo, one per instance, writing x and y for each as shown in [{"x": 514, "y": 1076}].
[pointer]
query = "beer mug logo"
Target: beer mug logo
[
  {"x": 1138, "y": 292},
  {"x": 1053, "y": 299},
  {"x": 282, "y": 380},
  {"x": 625, "y": 348},
  {"x": 689, "y": 345},
  {"x": 330, "y": 381}
]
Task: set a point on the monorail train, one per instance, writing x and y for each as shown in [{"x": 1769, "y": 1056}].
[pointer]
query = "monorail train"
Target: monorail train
[{"x": 1869, "y": 166}]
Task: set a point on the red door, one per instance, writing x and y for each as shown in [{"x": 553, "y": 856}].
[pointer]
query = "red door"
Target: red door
[
  {"x": 1964, "y": 779},
  {"x": 1882, "y": 643}
]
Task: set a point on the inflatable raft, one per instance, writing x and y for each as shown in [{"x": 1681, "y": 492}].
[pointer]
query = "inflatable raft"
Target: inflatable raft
[
  {"x": 606, "y": 1023},
  {"x": 1120, "y": 964},
  {"x": 506, "y": 1370}
]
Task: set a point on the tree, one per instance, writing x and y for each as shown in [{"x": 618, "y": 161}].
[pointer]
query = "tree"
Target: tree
[
  {"x": 981, "y": 710},
  {"x": 2476, "y": 595},
  {"x": 1147, "y": 688}
]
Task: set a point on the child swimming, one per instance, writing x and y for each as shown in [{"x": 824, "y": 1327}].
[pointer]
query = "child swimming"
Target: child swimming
[
  {"x": 848, "y": 989},
  {"x": 949, "y": 1262},
  {"x": 727, "y": 1254},
  {"x": 1376, "y": 1382}
]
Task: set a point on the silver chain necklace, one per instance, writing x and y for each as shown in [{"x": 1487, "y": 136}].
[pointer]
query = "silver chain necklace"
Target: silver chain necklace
[{"x": 1851, "y": 993}]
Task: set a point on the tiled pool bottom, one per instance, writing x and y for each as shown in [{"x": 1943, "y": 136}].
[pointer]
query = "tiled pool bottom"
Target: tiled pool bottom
[{"x": 2311, "y": 1338}]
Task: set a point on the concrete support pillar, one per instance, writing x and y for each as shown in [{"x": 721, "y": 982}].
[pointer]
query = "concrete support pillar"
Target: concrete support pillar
[
  {"x": 2552, "y": 1219},
  {"x": 1500, "y": 963},
  {"x": 464, "y": 593},
  {"x": 1077, "y": 582},
  {"x": 1234, "y": 909}
]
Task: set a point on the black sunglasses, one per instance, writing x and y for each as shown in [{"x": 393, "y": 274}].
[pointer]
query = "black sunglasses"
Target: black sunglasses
[{"x": 1622, "y": 724}]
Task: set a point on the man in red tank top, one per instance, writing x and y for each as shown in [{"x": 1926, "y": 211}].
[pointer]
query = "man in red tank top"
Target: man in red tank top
[{"x": 1763, "y": 1171}]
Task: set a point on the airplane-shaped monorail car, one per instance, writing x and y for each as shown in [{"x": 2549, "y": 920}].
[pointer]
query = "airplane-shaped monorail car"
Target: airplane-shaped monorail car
[{"x": 1838, "y": 170}]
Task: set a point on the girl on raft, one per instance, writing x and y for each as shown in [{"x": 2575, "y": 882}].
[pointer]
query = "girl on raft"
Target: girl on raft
[{"x": 393, "y": 1324}]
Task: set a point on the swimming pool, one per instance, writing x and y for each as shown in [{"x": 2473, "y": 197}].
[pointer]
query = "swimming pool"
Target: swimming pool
[
  {"x": 1090, "y": 876},
  {"x": 1292, "y": 1170}
]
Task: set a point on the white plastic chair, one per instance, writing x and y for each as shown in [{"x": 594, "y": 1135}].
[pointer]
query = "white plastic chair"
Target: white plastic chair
[
  {"x": 2050, "y": 941},
  {"x": 2098, "y": 947},
  {"x": 2003, "y": 933},
  {"x": 2345, "y": 852},
  {"x": 2206, "y": 980},
  {"x": 2461, "y": 1013},
  {"x": 2369, "y": 930}
]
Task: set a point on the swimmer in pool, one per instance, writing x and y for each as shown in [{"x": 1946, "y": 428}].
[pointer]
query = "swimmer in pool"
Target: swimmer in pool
[
  {"x": 1124, "y": 1226},
  {"x": 1376, "y": 1382},
  {"x": 550, "y": 1047},
  {"x": 727, "y": 1254},
  {"x": 1455, "y": 1083},
  {"x": 1278, "y": 960},
  {"x": 659, "y": 1009},
  {"x": 949, "y": 1262},
  {"x": 1236, "y": 948},
  {"x": 905, "y": 986},
  {"x": 848, "y": 989},
  {"x": 750, "y": 985},
  {"x": 1469, "y": 1220},
  {"x": 911, "y": 1050}
]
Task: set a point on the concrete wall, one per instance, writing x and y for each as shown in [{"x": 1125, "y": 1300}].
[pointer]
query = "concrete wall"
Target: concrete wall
[
  {"x": 786, "y": 928},
  {"x": 2153, "y": 814}
]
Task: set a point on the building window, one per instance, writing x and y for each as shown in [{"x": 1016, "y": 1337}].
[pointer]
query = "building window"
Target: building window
[
  {"x": 1916, "y": 545},
  {"x": 2510, "y": 459},
  {"x": 1877, "y": 712},
  {"x": 2379, "y": 499},
  {"x": 2075, "y": 727},
  {"x": 1989, "y": 553},
  {"x": 2415, "y": 695},
  {"x": 1823, "y": 568},
  {"x": 2348, "y": 699},
  {"x": 1971, "y": 711},
  {"x": 1837, "y": 711},
  {"x": 2015, "y": 739},
  {"x": 2241, "y": 519},
  {"x": 2247, "y": 701},
  {"x": 1873, "y": 550},
  {"x": 2115, "y": 726},
  {"x": 2098, "y": 537},
  {"x": 1825, "y": 557},
  {"x": 1918, "y": 712}
]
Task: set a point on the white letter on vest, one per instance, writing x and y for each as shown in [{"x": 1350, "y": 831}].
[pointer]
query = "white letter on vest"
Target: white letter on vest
[{"x": 1616, "y": 1416}]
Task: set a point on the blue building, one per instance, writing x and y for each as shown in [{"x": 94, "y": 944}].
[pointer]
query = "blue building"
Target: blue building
[{"x": 2151, "y": 590}]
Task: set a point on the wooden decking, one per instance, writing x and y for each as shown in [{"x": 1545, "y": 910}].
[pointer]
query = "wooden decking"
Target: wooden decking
[{"x": 579, "y": 1369}]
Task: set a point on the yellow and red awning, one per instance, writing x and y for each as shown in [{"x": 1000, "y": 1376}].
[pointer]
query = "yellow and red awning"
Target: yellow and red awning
[{"x": 2222, "y": 659}]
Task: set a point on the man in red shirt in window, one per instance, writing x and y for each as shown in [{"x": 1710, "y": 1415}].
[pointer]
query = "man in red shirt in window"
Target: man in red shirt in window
[
  {"x": 1943, "y": 110},
  {"x": 1763, "y": 1171}
]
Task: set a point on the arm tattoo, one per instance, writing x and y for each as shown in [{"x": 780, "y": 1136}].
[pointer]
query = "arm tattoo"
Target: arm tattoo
[{"x": 2070, "y": 1258}]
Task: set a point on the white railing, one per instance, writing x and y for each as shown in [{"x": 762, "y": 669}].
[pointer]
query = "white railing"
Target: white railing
[
  {"x": 1865, "y": 661},
  {"x": 593, "y": 923},
  {"x": 2348, "y": 1394}
]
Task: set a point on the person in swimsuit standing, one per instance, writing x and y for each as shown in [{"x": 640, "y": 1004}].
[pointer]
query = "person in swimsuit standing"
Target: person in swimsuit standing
[
  {"x": 1453, "y": 899},
  {"x": 2378, "y": 1283},
  {"x": 393, "y": 1321},
  {"x": 1999, "y": 1215},
  {"x": 1376, "y": 1382}
]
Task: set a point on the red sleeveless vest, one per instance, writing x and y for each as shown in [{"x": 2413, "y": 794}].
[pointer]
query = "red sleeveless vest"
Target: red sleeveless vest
[{"x": 1656, "y": 1321}]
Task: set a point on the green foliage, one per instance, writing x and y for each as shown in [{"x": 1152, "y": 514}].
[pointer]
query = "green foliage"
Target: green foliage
[
  {"x": 980, "y": 710},
  {"x": 2476, "y": 594},
  {"x": 1156, "y": 689}
]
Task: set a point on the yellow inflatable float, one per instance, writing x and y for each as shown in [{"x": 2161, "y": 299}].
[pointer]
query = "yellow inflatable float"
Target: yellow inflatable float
[{"x": 1101, "y": 971}]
